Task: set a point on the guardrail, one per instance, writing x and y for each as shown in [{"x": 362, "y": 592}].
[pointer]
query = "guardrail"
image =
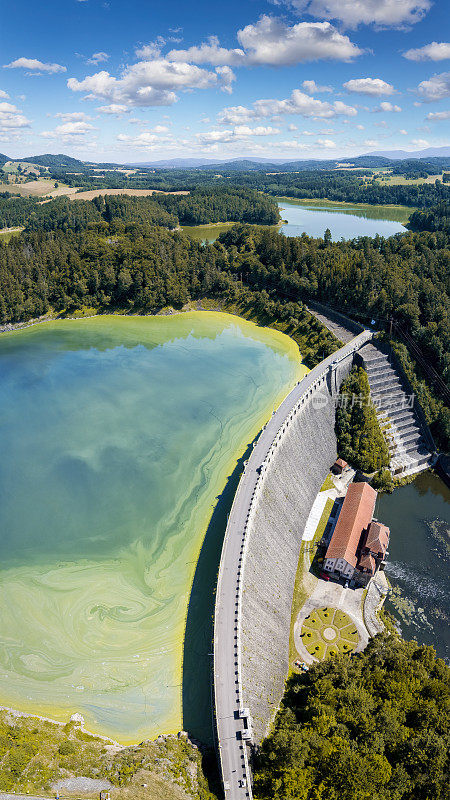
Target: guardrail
[{"x": 236, "y": 773}]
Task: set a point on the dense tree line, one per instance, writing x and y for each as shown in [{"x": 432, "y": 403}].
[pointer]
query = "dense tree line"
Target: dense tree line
[
  {"x": 120, "y": 212},
  {"x": 109, "y": 255},
  {"x": 433, "y": 219},
  {"x": 360, "y": 440},
  {"x": 223, "y": 204},
  {"x": 337, "y": 185},
  {"x": 14, "y": 211},
  {"x": 145, "y": 270},
  {"x": 346, "y": 187},
  {"x": 372, "y": 725}
]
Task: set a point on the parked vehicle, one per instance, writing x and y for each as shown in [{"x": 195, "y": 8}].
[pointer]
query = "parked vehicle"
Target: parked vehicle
[{"x": 324, "y": 576}]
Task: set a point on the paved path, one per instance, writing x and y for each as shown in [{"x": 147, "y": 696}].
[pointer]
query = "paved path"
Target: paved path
[
  {"x": 336, "y": 325},
  {"x": 233, "y": 754}
]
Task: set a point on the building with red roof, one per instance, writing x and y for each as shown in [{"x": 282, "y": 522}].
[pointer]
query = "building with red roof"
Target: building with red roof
[{"x": 358, "y": 544}]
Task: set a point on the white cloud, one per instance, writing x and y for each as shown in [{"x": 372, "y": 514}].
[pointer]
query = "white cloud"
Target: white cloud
[
  {"x": 436, "y": 88},
  {"x": 4, "y": 95},
  {"x": 72, "y": 116},
  {"x": 327, "y": 144},
  {"x": 436, "y": 116},
  {"x": 238, "y": 132},
  {"x": 151, "y": 50},
  {"x": 382, "y": 13},
  {"x": 209, "y": 52},
  {"x": 116, "y": 109},
  {"x": 297, "y": 103},
  {"x": 360, "y": 127},
  {"x": 435, "y": 51},
  {"x": 98, "y": 58},
  {"x": 33, "y": 65},
  {"x": 292, "y": 127},
  {"x": 371, "y": 143},
  {"x": 150, "y": 83},
  {"x": 420, "y": 142},
  {"x": 387, "y": 107},
  {"x": 227, "y": 77},
  {"x": 312, "y": 88},
  {"x": 68, "y": 132},
  {"x": 146, "y": 140},
  {"x": 403, "y": 132},
  {"x": 271, "y": 41},
  {"x": 370, "y": 86},
  {"x": 11, "y": 118}
]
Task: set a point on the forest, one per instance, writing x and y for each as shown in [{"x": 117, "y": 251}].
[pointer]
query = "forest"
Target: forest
[
  {"x": 107, "y": 253},
  {"x": 360, "y": 727},
  {"x": 350, "y": 187},
  {"x": 119, "y": 212},
  {"x": 360, "y": 439}
]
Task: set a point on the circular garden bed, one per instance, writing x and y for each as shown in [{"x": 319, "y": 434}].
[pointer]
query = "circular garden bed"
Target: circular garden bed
[{"x": 328, "y": 630}]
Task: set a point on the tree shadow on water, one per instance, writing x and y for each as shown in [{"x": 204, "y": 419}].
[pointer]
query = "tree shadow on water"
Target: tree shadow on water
[{"x": 197, "y": 682}]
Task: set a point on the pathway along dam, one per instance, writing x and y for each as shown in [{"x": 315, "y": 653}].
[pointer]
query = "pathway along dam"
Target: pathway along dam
[{"x": 259, "y": 562}]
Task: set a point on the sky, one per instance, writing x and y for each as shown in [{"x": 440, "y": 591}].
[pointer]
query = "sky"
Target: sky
[{"x": 142, "y": 80}]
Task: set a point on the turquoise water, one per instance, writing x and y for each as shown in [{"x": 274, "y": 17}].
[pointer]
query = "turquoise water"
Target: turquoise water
[
  {"x": 117, "y": 434},
  {"x": 419, "y": 559},
  {"x": 343, "y": 222}
]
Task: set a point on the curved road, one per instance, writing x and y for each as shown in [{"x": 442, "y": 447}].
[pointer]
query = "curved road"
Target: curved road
[{"x": 236, "y": 774}]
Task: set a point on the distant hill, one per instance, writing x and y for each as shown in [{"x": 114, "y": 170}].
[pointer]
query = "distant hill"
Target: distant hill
[
  {"x": 429, "y": 152},
  {"x": 54, "y": 161},
  {"x": 3, "y": 159}
]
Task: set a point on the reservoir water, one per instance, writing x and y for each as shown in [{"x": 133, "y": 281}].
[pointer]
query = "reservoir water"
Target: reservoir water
[
  {"x": 313, "y": 217},
  {"x": 117, "y": 434},
  {"x": 344, "y": 220},
  {"x": 419, "y": 559}
]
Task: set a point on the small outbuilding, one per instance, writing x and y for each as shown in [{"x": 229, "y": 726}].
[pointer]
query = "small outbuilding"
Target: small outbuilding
[{"x": 339, "y": 466}]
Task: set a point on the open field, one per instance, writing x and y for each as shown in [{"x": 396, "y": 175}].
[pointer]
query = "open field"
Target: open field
[
  {"x": 12, "y": 167},
  {"x": 400, "y": 180},
  {"x": 91, "y": 193},
  {"x": 42, "y": 187},
  {"x": 7, "y": 233}
]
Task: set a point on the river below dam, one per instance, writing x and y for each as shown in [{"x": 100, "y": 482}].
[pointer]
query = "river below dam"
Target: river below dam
[
  {"x": 419, "y": 559},
  {"x": 117, "y": 435}
]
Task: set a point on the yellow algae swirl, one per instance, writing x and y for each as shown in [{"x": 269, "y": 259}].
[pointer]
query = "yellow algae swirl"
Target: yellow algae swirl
[{"x": 120, "y": 434}]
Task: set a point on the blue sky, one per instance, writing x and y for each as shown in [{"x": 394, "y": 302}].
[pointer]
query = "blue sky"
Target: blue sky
[{"x": 143, "y": 80}]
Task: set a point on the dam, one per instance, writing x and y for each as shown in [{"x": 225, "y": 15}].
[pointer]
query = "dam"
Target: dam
[{"x": 259, "y": 562}]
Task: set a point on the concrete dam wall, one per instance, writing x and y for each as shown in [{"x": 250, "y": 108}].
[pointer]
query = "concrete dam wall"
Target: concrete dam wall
[
  {"x": 298, "y": 468},
  {"x": 258, "y": 565}
]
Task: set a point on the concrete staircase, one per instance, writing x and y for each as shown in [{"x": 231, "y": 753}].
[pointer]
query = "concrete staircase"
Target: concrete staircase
[{"x": 409, "y": 441}]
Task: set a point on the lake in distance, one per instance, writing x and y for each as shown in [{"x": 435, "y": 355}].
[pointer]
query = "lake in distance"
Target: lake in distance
[
  {"x": 345, "y": 220},
  {"x": 117, "y": 435}
]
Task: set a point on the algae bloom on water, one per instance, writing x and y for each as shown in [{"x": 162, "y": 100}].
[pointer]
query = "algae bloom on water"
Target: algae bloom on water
[{"x": 117, "y": 435}]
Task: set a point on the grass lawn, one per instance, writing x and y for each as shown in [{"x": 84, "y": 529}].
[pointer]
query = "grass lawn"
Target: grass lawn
[{"x": 327, "y": 484}]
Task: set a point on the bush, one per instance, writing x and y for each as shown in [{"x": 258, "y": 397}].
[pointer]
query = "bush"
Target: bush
[
  {"x": 382, "y": 480},
  {"x": 66, "y": 748}
]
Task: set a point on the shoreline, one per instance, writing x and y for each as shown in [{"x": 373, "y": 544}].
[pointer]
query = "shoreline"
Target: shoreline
[{"x": 282, "y": 343}]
